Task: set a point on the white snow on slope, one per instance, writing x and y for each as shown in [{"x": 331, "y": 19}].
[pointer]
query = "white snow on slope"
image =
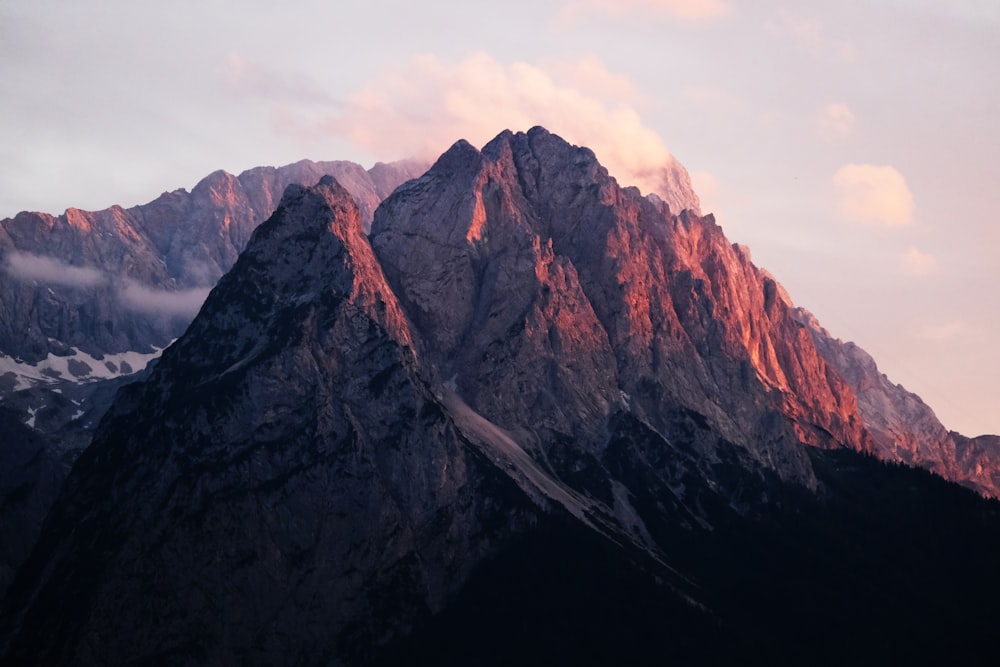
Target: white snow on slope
[{"x": 78, "y": 367}]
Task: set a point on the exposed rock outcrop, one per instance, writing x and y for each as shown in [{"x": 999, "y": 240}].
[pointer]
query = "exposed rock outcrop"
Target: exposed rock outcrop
[
  {"x": 128, "y": 280},
  {"x": 527, "y": 383},
  {"x": 902, "y": 426}
]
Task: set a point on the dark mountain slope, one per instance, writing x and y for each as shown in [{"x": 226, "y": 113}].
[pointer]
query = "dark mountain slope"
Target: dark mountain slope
[
  {"x": 284, "y": 475},
  {"x": 537, "y": 418}
]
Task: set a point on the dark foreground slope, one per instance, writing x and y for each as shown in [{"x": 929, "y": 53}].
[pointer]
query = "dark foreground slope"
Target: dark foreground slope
[
  {"x": 889, "y": 565},
  {"x": 537, "y": 418}
]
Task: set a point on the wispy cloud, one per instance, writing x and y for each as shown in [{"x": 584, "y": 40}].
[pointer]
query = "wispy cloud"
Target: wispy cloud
[
  {"x": 245, "y": 76},
  {"x": 811, "y": 36},
  {"x": 424, "y": 107},
  {"x": 939, "y": 332},
  {"x": 916, "y": 262},
  {"x": 835, "y": 122},
  {"x": 874, "y": 194},
  {"x": 590, "y": 76},
  {"x": 684, "y": 10},
  {"x": 51, "y": 271},
  {"x": 168, "y": 303}
]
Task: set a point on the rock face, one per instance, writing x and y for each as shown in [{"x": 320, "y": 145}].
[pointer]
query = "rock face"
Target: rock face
[
  {"x": 29, "y": 481},
  {"x": 88, "y": 299},
  {"x": 92, "y": 296},
  {"x": 902, "y": 426},
  {"x": 527, "y": 253},
  {"x": 90, "y": 284},
  {"x": 532, "y": 414}
]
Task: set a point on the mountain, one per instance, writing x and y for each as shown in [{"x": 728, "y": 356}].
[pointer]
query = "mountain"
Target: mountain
[
  {"x": 533, "y": 416},
  {"x": 904, "y": 429},
  {"x": 88, "y": 299}
]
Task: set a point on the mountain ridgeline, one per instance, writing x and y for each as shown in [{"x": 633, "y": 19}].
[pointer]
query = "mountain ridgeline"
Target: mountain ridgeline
[{"x": 531, "y": 416}]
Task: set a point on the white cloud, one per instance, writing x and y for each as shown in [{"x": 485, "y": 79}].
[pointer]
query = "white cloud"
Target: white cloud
[
  {"x": 685, "y": 10},
  {"x": 874, "y": 194},
  {"x": 423, "y": 108},
  {"x": 811, "y": 36},
  {"x": 51, "y": 271},
  {"x": 918, "y": 263},
  {"x": 168, "y": 303},
  {"x": 835, "y": 121},
  {"x": 944, "y": 331}
]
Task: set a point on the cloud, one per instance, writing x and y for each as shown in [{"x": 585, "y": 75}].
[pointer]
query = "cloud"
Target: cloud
[
  {"x": 915, "y": 262},
  {"x": 944, "y": 331},
  {"x": 836, "y": 121},
  {"x": 243, "y": 76},
  {"x": 811, "y": 36},
  {"x": 168, "y": 303},
  {"x": 707, "y": 186},
  {"x": 590, "y": 76},
  {"x": 874, "y": 194},
  {"x": 685, "y": 10},
  {"x": 51, "y": 271},
  {"x": 423, "y": 108},
  {"x": 707, "y": 96}
]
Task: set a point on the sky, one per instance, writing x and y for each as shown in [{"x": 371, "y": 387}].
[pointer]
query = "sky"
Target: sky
[{"x": 853, "y": 146}]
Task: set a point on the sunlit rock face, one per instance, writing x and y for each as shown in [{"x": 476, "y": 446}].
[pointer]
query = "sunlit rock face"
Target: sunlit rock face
[
  {"x": 93, "y": 296},
  {"x": 552, "y": 298},
  {"x": 531, "y": 402},
  {"x": 518, "y": 336},
  {"x": 979, "y": 461},
  {"x": 126, "y": 280},
  {"x": 88, "y": 299},
  {"x": 902, "y": 426}
]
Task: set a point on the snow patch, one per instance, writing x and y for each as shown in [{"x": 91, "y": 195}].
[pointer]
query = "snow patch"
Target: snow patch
[
  {"x": 31, "y": 416},
  {"x": 79, "y": 366}
]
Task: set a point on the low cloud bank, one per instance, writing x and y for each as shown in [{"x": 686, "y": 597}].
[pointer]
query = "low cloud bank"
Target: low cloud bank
[
  {"x": 51, "y": 271},
  {"x": 168, "y": 303}
]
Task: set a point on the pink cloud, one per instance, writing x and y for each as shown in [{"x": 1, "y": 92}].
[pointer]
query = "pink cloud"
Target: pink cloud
[
  {"x": 810, "y": 36},
  {"x": 591, "y": 77},
  {"x": 835, "y": 121},
  {"x": 939, "y": 332},
  {"x": 685, "y": 10},
  {"x": 874, "y": 194},
  {"x": 424, "y": 107},
  {"x": 915, "y": 262}
]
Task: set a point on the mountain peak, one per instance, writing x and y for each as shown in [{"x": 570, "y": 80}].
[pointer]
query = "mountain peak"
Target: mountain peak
[{"x": 355, "y": 430}]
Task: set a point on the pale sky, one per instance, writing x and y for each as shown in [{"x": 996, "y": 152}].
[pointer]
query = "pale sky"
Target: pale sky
[{"x": 853, "y": 146}]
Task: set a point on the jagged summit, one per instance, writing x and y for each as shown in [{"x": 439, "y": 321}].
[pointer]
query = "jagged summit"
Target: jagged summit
[
  {"x": 531, "y": 234},
  {"x": 531, "y": 402}
]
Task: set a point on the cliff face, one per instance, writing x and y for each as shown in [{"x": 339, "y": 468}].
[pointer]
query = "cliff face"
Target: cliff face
[
  {"x": 527, "y": 253},
  {"x": 293, "y": 419},
  {"x": 530, "y": 401},
  {"x": 89, "y": 284},
  {"x": 94, "y": 296},
  {"x": 349, "y": 422},
  {"x": 902, "y": 426},
  {"x": 88, "y": 299}
]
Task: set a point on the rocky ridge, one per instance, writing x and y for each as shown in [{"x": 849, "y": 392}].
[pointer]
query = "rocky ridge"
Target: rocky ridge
[
  {"x": 126, "y": 280},
  {"x": 357, "y": 433},
  {"x": 903, "y": 428},
  {"x": 88, "y": 299}
]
